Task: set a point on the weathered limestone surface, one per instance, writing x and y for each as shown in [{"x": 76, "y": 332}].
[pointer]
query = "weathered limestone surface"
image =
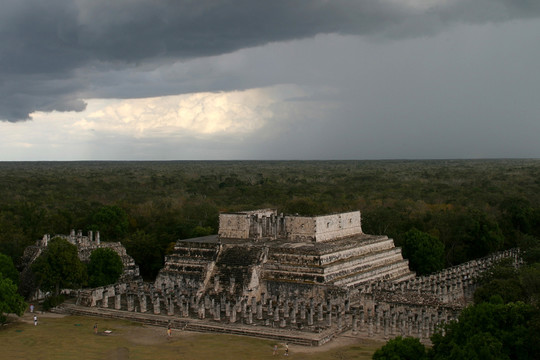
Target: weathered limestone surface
[
  {"x": 262, "y": 252},
  {"x": 267, "y": 224},
  {"x": 308, "y": 275},
  {"x": 85, "y": 246}
]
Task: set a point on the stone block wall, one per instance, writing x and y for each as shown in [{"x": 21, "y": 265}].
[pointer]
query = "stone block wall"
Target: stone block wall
[
  {"x": 267, "y": 224},
  {"x": 331, "y": 227}
]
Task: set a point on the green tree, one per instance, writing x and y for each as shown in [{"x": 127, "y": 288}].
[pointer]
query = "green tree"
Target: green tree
[
  {"x": 59, "y": 267},
  {"x": 489, "y": 331},
  {"x": 105, "y": 267},
  {"x": 425, "y": 252},
  {"x": 10, "y": 300},
  {"x": 401, "y": 349},
  {"x": 142, "y": 247},
  {"x": 519, "y": 213},
  {"x": 483, "y": 235},
  {"x": 8, "y": 270},
  {"x": 530, "y": 248},
  {"x": 529, "y": 277},
  {"x": 112, "y": 222},
  {"x": 502, "y": 280}
]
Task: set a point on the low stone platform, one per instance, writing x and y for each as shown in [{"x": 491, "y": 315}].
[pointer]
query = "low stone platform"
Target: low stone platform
[{"x": 308, "y": 337}]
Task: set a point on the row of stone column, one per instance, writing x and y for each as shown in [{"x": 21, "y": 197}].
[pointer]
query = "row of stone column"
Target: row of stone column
[
  {"x": 398, "y": 322},
  {"x": 449, "y": 285},
  {"x": 268, "y": 311}
]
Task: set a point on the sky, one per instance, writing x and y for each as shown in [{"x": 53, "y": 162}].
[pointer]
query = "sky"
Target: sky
[{"x": 269, "y": 80}]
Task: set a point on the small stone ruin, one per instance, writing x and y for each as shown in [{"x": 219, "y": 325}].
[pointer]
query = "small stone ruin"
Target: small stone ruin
[{"x": 85, "y": 246}]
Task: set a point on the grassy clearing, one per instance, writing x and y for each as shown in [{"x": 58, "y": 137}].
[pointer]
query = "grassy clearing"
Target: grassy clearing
[{"x": 72, "y": 337}]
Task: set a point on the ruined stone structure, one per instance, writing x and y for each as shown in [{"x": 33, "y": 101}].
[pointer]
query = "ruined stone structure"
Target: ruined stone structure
[
  {"x": 85, "y": 246},
  {"x": 293, "y": 278}
]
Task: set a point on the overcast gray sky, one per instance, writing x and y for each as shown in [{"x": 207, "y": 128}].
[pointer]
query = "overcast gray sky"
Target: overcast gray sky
[{"x": 245, "y": 79}]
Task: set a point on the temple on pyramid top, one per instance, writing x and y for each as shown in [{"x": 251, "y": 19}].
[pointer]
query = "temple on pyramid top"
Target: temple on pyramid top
[{"x": 267, "y": 224}]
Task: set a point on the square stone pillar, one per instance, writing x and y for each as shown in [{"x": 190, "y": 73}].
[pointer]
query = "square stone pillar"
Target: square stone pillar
[
  {"x": 156, "y": 303},
  {"x": 232, "y": 318},
  {"x": 259, "y": 311},
  {"x": 170, "y": 306},
  {"x": 202, "y": 311},
  {"x": 118, "y": 301},
  {"x": 329, "y": 318},
  {"x": 130, "y": 302},
  {"x": 142, "y": 302},
  {"x": 217, "y": 312},
  {"x": 320, "y": 313}
]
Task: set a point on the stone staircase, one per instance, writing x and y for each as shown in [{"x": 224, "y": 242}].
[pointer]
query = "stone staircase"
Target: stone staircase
[
  {"x": 344, "y": 263},
  {"x": 189, "y": 265}
]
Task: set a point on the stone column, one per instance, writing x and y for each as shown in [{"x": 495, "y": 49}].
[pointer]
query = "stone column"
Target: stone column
[
  {"x": 118, "y": 301},
  {"x": 370, "y": 324},
  {"x": 185, "y": 308},
  {"x": 157, "y": 309},
  {"x": 202, "y": 310},
  {"x": 105, "y": 302},
  {"x": 212, "y": 306},
  {"x": 354, "y": 324},
  {"x": 217, "y": 312},
  {"x": 303, "y": 311},
  {"x": 130, "y": 302},
  {"x": 329, "y": 317},
  {"x": 250, "y": 316},
  {"x": 253, "y": 305},
  {"x": 310, "y": 316},
  {"x": 259, "y": 311},
  {"x": 170, "y": 306},
  {"x": 385, "y": 324},
  {"x": 320, "y": 313},
  {"x": 270, "y": 308},
  {"x": 232, "y": 318},
  {"x": 142, "y": 302}
]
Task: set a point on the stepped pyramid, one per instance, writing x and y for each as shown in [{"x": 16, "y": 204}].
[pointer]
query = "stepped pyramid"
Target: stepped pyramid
[{"x": 260, "y": 252}]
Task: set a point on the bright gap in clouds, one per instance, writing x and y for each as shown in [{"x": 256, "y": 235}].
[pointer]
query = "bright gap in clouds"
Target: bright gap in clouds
[
  {"x": 199, "y": 114},
  {"x": 99, "y": 131}
]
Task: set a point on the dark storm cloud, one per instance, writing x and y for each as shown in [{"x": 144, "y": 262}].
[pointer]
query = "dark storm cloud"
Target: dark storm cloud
[{"x": 47, "y": 47}]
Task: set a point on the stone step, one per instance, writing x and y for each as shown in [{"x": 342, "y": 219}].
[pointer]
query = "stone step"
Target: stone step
[
  {"x": 386, "y": 272},
  {"x": 186, "y": 324}
]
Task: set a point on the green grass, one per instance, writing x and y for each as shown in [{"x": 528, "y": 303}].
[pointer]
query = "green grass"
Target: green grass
[{"x": 72, "y": 337}]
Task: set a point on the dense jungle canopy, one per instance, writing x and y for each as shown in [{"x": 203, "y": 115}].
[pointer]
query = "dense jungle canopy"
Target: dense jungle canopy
[{"x": 470, "y": 207}]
